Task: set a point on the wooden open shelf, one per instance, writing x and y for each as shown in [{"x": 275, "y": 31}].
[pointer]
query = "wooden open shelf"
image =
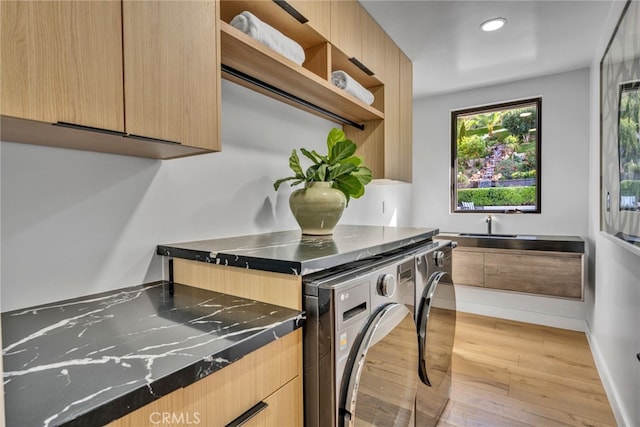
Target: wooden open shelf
[
  {"x": 246, "y": 55},
  {"x": 272, "y": 14}
]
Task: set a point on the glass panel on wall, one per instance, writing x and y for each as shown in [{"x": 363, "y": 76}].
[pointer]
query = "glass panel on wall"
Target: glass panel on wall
[
  {"x": 629, "y": 145},
  {"x": 495, "y": 157}
]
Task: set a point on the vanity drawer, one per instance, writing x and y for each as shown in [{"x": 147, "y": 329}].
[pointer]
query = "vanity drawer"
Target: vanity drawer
[{"x": 555, "y": 274}]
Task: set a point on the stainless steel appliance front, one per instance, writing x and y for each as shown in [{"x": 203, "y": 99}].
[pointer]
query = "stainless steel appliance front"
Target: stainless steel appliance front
[
  {"x": 436, "y": 323},
  {"x": 360, "y": 347}
]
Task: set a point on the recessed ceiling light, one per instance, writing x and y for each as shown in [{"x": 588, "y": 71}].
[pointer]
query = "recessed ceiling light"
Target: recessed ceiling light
[{"x": 493, "y": 24}]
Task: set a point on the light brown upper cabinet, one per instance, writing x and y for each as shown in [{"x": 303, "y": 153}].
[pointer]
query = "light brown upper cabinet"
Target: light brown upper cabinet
[
  {"x": 373, "y": 42},
  {"x": 62, "y": 62},
  {"x": 358, "y": 36},
  {"x": 145, "y": 74},
  {"x": 405, "y": 135},
  {"x": 316, "y": 11},
  {"x": 393, "y": 161},
  {"x": 171, "y": 72},
  {"x": 386, "y": 145},
  {"x": 346, "y": 27}
]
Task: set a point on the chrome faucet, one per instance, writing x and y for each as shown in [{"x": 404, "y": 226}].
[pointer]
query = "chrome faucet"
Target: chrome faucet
[{"x": 488, "y": 221}]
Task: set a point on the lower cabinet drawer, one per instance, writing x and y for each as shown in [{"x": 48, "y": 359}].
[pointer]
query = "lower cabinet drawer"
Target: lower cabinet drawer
[
  {"x": 284, "y": 408},
  {"x": 556, "y": 274},
  {"x": 468, "y": 268},
  {"x": 220, "y": 398},
  {"x": 559, "y": 276}
]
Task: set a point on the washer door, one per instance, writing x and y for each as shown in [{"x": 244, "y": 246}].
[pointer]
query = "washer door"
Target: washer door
[
  {"x": 436, "y": 329},
  {"x": 380, "y": 382}
]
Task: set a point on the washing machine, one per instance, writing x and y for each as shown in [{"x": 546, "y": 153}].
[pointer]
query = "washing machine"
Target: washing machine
[
  {"x": 360, "y": 346},
  {"x": 435, "y": 316}
]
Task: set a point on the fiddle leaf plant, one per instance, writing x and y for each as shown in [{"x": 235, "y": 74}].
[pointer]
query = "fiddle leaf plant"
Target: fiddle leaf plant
[{"x": 340, "y": 167}]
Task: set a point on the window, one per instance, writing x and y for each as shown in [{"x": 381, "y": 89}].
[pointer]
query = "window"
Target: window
[{"x": 495, "y": 158}]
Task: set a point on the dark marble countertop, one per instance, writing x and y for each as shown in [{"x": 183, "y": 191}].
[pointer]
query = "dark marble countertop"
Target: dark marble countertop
[
  {"x": 91, "y": 360},
  {"x": 529, "y": 242},
  {"x": 293, "y": 253}
]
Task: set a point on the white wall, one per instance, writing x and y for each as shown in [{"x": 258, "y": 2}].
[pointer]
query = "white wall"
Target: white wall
[
  {"x": 564, "y": 173},
  {"x": 613, "y": 291},
  {"x": 75, "y": 223}
]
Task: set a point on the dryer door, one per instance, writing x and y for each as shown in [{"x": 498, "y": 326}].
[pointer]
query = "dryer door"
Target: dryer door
[
  {"x": 379, "y": 382},
  {"x": 436, "y": 329}
]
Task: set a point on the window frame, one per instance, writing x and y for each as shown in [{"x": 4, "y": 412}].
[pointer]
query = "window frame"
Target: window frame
[{"x": 455, "y": 114}]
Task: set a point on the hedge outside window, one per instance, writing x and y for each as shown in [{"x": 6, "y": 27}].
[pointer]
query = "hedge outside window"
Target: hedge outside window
[{"x": 495, "y": 157}]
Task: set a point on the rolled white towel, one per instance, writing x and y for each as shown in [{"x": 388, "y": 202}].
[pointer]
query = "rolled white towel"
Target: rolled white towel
[
  {"x": 344, "y": 81},
  {"x": 249, "y": 24}
]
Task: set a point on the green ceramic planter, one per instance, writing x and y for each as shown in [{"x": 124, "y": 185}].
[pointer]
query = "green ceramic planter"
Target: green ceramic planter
[{"x": 317, "y": 208}]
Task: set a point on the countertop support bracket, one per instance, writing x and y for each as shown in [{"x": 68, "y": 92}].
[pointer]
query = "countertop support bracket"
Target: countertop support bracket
[{"x": 171, "y": 282}]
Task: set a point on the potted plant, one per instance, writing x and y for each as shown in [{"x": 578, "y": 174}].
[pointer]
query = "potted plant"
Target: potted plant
[{"x": 330, "y": 182}]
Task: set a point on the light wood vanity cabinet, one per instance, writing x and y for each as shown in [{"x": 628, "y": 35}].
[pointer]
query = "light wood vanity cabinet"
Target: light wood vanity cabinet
[
  {"x": 136, "y": 69},
  {"x": 558, "y": 274},
  {"x": 62, "y": 62},
  {"x": 468, "y": 267}
]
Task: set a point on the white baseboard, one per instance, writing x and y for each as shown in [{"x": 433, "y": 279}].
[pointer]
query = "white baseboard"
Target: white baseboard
[
  {"x": 537, "y": 309},
  {"x": 519, "y": 315},
  {"x": 622, "y": 419}
]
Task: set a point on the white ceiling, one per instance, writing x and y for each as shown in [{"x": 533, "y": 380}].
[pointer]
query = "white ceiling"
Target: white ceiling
[{"x": 450, "y": 52}]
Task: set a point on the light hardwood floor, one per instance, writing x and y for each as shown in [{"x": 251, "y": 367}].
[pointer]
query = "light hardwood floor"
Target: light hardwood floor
[{"x": 514, "y": 374}]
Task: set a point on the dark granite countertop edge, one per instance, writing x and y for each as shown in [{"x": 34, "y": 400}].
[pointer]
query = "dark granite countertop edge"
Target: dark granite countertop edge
[
  {"x": 289, "y": 266},
  {"x": 147, "y": 393},
  {"x": 190, "y": 254},
  {"x": 571, "y": 244}
]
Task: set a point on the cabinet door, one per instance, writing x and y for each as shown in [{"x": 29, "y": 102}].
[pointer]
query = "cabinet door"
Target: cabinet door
[
  {"x": 392, "y": 160},
  {"x": 284, "y": 408},
  {"x": 405, "y": 138},
  {"x": 544, "y": 274},
  {"x": 171, "y": 69},
  {"x": 346, "y": 27},
  {"x": 373, "y": 42},
  {"x": 62, "y": 61},
  {"x": 468, "y": 268},
  {"x": 271, "y": 374},
  {"x": 318, "y": 12}
]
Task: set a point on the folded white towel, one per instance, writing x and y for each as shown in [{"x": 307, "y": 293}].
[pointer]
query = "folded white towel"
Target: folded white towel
[
  {"x": 249, "y": 24},
  {"x": 344, "y": 81}
]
